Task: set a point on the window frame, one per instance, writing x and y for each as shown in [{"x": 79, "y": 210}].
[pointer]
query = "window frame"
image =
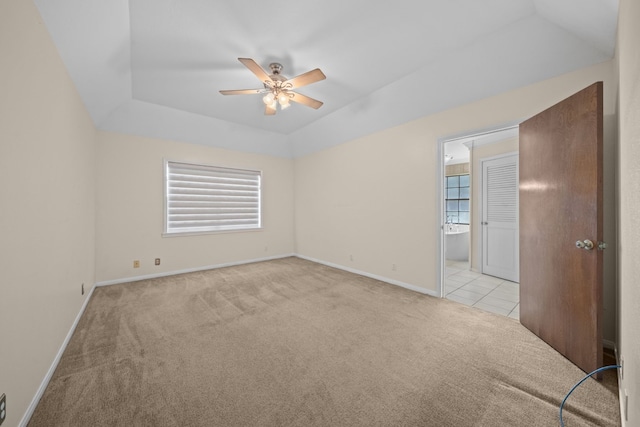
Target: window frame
[
  {"x": 458, "y": 199},
  {"x": 173, "y": 232}
]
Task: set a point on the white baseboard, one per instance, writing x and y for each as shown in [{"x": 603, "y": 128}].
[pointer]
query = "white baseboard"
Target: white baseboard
[
  {"x": 373, "y": 276},
  {"x": 231, "y": 264},
  {"x": 45, "y": 382},
  {"x": 188, "y": 270}
]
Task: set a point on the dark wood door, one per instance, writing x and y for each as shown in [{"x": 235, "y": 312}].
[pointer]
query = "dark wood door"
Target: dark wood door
[{"x": 561, "y": 204}]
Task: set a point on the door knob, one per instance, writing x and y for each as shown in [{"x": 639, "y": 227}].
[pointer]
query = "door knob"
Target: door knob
[{"x": 587, "y": 245}]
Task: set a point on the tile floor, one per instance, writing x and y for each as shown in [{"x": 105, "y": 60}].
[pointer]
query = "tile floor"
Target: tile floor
[{"x": 484, "y": 292}]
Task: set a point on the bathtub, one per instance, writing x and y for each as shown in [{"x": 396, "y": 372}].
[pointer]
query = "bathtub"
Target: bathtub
[{"x": 456, "y": 242}]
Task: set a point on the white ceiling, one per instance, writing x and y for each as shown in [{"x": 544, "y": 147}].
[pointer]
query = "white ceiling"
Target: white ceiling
[{"x": 154, "y": 67}]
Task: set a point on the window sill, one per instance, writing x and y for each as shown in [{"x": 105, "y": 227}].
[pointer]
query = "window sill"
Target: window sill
[{"x": 202, "y": 233}]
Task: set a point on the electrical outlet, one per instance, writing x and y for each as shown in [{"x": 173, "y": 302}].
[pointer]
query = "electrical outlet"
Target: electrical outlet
[
  {"x": 622, "y": 368},
  {"x": 157, "y": 261},
  {"x": 350, "y": 257},
  {"x": 393, "y": 267},
  {"x": 3, "y": 407},
  {"x": 266, "y": 248},
  {"x": 82, "y": 289},
  {"x": 136, "y": 264}
]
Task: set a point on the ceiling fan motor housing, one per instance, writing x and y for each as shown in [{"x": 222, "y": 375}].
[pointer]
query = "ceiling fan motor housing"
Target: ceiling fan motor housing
[{"x": 276, "y": 68}]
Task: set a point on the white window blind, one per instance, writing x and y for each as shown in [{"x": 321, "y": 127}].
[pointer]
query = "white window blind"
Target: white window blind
[{"x": 201, "y": 198}]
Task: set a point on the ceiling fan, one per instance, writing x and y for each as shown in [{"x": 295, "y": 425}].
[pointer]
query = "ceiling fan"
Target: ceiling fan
[{"x": 278, "y": 89}]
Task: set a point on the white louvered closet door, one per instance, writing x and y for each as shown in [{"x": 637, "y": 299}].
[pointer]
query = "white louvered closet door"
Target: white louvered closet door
[{"x": 500, "y": 248}]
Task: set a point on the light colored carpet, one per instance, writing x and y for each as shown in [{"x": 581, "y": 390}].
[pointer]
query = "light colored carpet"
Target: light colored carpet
[{"x": 294, "y": 343}]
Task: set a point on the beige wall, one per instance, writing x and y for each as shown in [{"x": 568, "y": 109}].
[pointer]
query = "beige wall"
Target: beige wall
[
  {"x": 371, "y": 199},
  {"x": 375, "y": 197},
  {"x": 629, "y": 201},
  {"x": 47, "y": 158},
  {"x": 130, "y": 220}
]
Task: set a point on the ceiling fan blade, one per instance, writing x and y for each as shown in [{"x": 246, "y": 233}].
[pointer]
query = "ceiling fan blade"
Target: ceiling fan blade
[
  {"x": 256, "y": 69},
  {"x": 269, "y": 110},
  {"x": 306, "y": 78},
  {"x": 305, "y": 100},
  {"x": 242, "y": 91}
]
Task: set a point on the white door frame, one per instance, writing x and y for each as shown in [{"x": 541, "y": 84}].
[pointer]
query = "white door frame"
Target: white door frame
[{"x": 507, "y": 128}]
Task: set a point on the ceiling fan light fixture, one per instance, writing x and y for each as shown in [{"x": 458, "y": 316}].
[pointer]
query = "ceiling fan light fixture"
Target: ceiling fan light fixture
[
  {"x": 283, "y": 100},
  {"x": 269, "y": 98}
]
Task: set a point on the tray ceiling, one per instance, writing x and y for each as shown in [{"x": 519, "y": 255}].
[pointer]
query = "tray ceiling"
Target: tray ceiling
[{"x": 154, "y": 67}]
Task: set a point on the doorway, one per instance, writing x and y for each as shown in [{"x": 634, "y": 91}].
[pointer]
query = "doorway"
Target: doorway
[{"x": 465, "y": 279}]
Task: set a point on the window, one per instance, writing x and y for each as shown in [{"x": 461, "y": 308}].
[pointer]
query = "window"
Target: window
[
  {"x": 458, "y": 199},
  {"x": 201, "y": 199}
]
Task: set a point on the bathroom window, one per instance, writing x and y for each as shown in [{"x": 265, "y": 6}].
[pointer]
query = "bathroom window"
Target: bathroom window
[{"x": 457, "y": 195}]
